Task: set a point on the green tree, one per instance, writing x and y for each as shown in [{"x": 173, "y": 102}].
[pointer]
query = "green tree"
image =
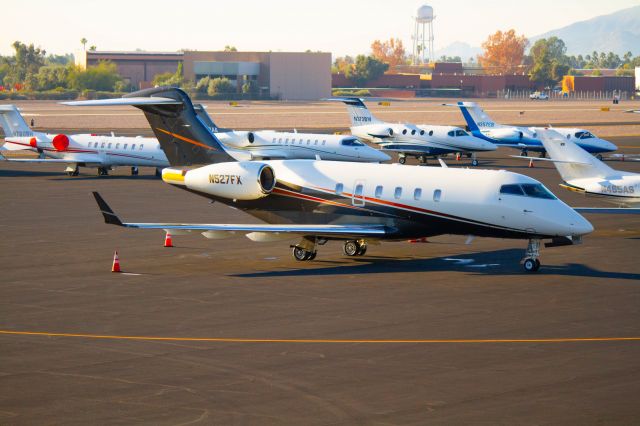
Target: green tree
[
  {"x": 220, "y": 85},
  {"x": 250, "y": 87},
  {"x": 228, "y": 48},
  {"x": 99, "y": 77},
  {"x": 202, "y": 86},
  {"x": 25, "y": 64},
  {"x": 84, "y": 41},
  {"x": 549, "y": 61},
  {"x": 366, "y": 68},
  {"x": 93, "y": 48},
  {"x": 60, "y": 59},
  {"x": 169, "y": 78},
  {"x": 51, "y": 77}
]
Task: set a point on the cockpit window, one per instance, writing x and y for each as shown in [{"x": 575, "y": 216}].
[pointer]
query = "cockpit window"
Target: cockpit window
[
  {"x": 534, "y": 190},
  {"x": 351, "y": 142},
  {"x": 584, "y": 135},
  {"x": 511, "y": 189},
  {"x": 451, "y": 133},
  {"x": 461, "y": 133},
  {"x": 537, "y": 191}
]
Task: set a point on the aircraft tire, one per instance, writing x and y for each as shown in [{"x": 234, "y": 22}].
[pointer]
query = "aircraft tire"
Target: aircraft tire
[
  {"x": 363, "y": 250},
  {"x": 474, "y": 163},
  {"x": 402, "y": 160},
  {"x": 300, "y": 254},
  {"x": 531, "y": 265},
  {"x": 351, "y": 248}
]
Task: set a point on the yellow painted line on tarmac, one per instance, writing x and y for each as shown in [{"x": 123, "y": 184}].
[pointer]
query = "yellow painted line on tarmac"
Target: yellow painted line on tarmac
[{"x": 252, "y": 340}]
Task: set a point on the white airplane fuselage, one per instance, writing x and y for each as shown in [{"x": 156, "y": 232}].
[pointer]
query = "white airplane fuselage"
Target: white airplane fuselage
[
  {"x": 623, "y": 190},
  {"x": 93, "y": 150},
  {"x": 414, "y": 200}
]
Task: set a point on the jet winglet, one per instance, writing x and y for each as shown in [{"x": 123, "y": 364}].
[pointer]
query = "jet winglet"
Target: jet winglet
[{"x": 109, "y": 216}]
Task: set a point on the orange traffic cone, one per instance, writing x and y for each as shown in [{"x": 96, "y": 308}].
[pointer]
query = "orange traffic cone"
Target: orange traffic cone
[
  {"x": 167, "y": 240},
  {"x": 116, "y": 262},
  {"x": 531, "y": 164},
  {"x": 458, "y": 157},
  {"x": 419, "y": 240}
]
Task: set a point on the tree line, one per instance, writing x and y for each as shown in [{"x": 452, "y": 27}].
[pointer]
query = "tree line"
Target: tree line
[{"x": 504, "y": 52}]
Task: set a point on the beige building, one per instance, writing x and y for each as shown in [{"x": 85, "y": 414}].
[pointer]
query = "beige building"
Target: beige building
[{"x": 284, "y": 75}]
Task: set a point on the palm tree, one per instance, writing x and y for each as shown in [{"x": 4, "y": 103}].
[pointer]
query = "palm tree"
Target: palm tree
[{"x": 84, "y": 43}]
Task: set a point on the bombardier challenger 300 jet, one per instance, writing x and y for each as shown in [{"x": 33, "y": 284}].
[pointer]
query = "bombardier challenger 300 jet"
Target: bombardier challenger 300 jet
[
  {"x": 357, "y": 203},
  {"x": 415, "y": 140}
]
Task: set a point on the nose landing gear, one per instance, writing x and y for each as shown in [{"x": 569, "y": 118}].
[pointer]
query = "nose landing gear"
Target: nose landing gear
[{"x": 531, "y": 262}]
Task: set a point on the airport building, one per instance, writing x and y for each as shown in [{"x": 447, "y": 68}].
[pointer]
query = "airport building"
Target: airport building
[{"x": 283, "y": 75}]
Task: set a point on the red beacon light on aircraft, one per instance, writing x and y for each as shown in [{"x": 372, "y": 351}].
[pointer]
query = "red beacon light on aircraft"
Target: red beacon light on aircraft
[
  {"x": 61, "y": 142},
  {"x": 33, "y": 142}
]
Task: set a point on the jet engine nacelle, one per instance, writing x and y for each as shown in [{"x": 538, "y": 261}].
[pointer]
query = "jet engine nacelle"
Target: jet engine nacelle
[
  {"x": 506, "y": 133},
  {"x": 244, "y": 180},
  {"x": 237, "y": 139},
  {"x": 381, "y": 131}
]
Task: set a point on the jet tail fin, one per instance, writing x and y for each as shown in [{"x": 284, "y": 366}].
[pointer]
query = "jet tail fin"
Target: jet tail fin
[
  {"x": 475, "y": 117},
  {"x": 12, "y": 122},
  {"x": 572, "y": 162},
  {"x": 183, "y": 136},
  {"x": 358, "y": 111}
]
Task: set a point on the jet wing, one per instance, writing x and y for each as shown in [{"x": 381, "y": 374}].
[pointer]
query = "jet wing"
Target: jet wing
[
  {"x": 607, "y": 210},
  {"x": 417, "y": 149},
  {"x": 343, "y": 231},
  {"x": 36, "y": 160},
  {"x": 549, "y": 159},
  {"x": 153, "y": 100}
]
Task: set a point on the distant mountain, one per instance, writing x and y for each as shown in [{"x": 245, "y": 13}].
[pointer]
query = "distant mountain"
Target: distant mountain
[
  {"x": 618, "y": 32},
  {"x": 459, "y": 48}
]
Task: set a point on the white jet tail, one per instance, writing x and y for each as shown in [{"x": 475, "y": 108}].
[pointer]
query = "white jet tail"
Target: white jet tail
[
  {"x": 573, "y": 162},
  {"x": 476, "y": 118},
  {"x": 358, "y": 111},
  {"x": 12, "y": 122}
]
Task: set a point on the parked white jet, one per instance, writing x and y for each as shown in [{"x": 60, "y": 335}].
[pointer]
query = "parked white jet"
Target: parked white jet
[
  {"x": 317, "y": 201},
  {"x": 582, "y": 172},
  {"x": 272, "y": 145},
  {"x": 80, "y": 150},
  {"x": 416, "y": 140},
  {"x": 523, "y": 138}
]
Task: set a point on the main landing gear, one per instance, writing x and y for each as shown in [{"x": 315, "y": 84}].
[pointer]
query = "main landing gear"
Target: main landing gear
[
  {"x": 354, "y": 248},
  {"x": 524, "y": 153},
  {"x": 531, "y": 262},
  {"x": 134, "y": 171},
  {"x": 103, "y": 171},
  {"x": 402, "y": 159},
  {"x": 73, "y": 171}
]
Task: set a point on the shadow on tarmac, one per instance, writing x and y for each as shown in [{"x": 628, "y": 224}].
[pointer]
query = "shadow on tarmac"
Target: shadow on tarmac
[{"x": 498, "y": 262}]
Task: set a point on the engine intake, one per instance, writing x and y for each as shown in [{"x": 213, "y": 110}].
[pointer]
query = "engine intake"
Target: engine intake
[{"x": 244, "y": 180}]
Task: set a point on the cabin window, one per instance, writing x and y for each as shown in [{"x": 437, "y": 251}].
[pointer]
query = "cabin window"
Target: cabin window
[
  {"x": 417, "y": 193},
  {"x": 430, "y": 132},
  {"x": 109, "y": 146},
  {"x": 141, "y": 146},
  {"x": 378, "y": 191},
  {"x": 280, "y": 140},
  {"x": 274, "y": 140},
  {"x": 358, "y": 190},
  {"x": 95, "y": 145},
  {"x": 404, "y": 131},
  {"x": 316, "y": 142},
  {"x": 133, "y": 146},
  {"x": 339, "y": 188},
  {"x": 286, "y": 141},
  {"x": 421, "y": 132},
  {"x": 324, "y": 142},
  {"x": 436, "y": 195},
  {"x": 124, "y": 146},
  {"x": 413, "y": 132},
  {"x": 397, "y": 193},
  {"x": 308, "y": 141},
  {"x": 568, "y": 136},
  {"x": 118, "y": 145}
]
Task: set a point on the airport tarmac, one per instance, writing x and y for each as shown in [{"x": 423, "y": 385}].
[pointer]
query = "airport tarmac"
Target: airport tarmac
[{"x": 440, "y": 332}]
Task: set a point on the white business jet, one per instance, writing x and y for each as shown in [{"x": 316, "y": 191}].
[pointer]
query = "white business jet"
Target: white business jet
[{"x": 358, "y": 203}]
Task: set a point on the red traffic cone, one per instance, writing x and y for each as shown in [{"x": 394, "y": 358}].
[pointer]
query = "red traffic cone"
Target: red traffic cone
[
  {"x": 458, "y": 157},
  {"x": 116, "y": 262},
  {"x": 419, "y": 240},
  {"x": 531, "y": 164},
  {"x": 167, "y": 240}
]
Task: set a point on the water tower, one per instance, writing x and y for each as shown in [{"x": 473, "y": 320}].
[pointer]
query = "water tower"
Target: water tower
[{"x": 423, "y": 35}]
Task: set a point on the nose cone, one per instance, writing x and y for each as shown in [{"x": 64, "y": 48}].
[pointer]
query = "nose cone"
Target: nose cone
[
  {"x": 607, "y": 146},
  {"x": 376, "y": 156},
  {"x": 578, "y": 225}
]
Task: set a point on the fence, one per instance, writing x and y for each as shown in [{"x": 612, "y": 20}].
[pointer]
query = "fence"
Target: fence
[{"x": 583, "y": 95}]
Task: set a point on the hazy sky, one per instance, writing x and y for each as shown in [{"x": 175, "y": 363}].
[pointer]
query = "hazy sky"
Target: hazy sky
[{"x": 341, "y": 27}]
